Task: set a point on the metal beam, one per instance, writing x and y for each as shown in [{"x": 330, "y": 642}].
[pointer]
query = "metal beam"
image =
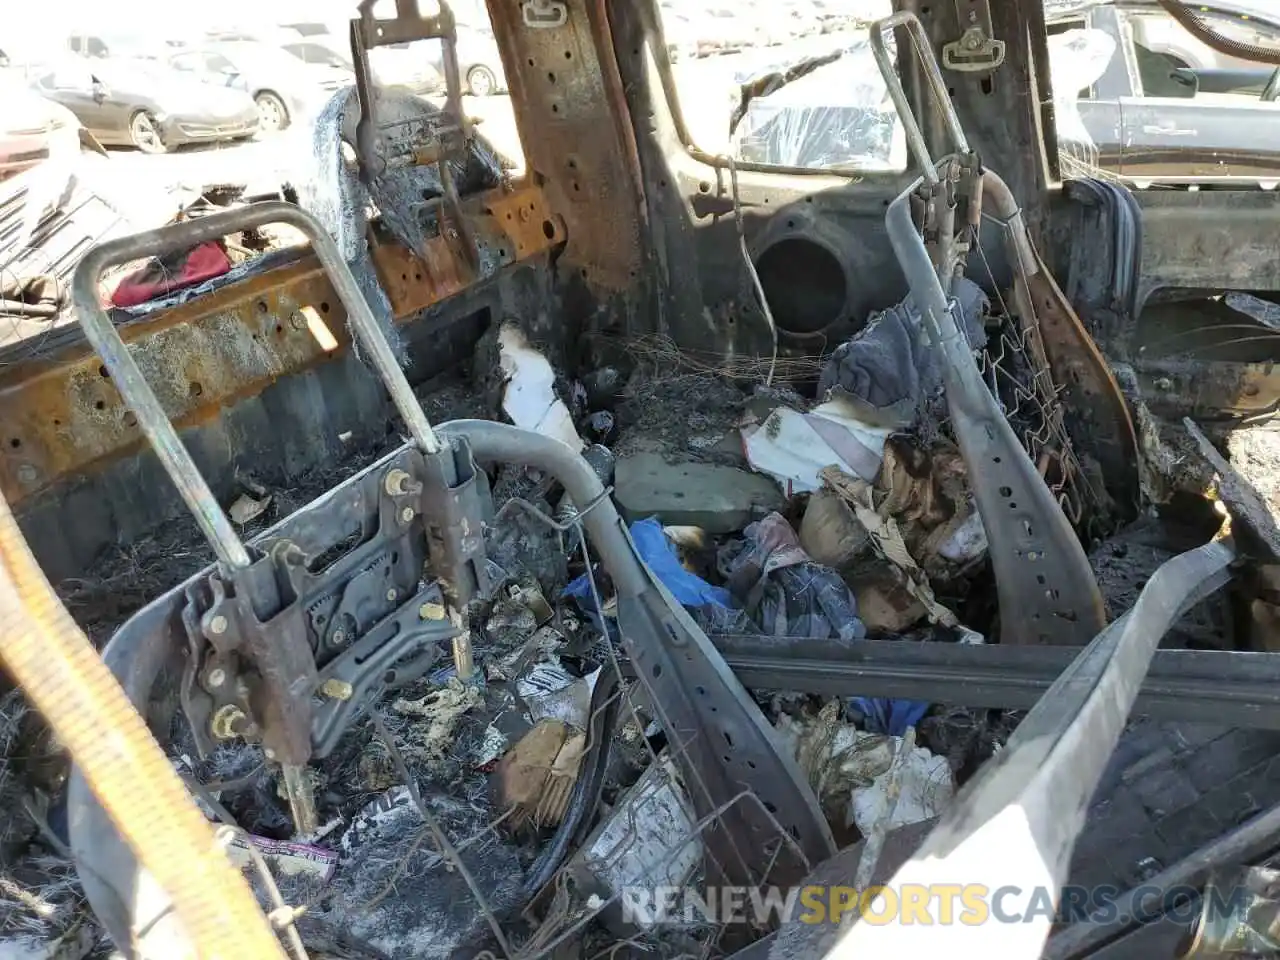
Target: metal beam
[{"x": 1236, "y": 689}]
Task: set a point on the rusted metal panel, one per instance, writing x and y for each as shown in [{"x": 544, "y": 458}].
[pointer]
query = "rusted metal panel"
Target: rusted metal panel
[
  {"x": 572, "y": 132},
  {"x": 510, "y": 226},
  {"x": 61, "y": 414}
]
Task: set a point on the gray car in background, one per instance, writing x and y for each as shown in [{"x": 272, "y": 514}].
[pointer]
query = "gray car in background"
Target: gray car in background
[
  {"x": 144, "y": 104},
  {"x": 283, "y": 87}
]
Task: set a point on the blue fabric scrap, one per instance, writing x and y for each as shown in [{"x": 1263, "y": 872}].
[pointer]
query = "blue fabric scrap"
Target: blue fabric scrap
[{"x": 659, "y": 554}]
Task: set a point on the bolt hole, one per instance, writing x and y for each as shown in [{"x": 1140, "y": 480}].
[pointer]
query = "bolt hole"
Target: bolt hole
[
  {"x": 995, "y": 459},
  {"x": 196, "y": 388},
  {"x": 751, "y": 764},
  {"x": 531, "y": 61},
  {"x": 548, "y": 229},
  {"x": 1006, "y": 492},
  {"x": 568, "y": 54},
  {"x": 417, "y": 276},
  {"x": 99, "y": 405},
  {"x": 727, "y": 738},
  {"x": 502, "y": 251},
  {"x": 583, "y": 273},
  {"x": 577, "y": 187},
  {"x": 1012, "y": 505},
  {"x": 702, "y": 691},
  {"x": 15, "y": 443},
  {"x": 555, "y": 108},
  {"x": 262, "y": 306},
  {"x": 324, "y": 306},
  {"x": 808, "y": 199},
  {"x": 657, "y": 670},
  {"x": 551, "y": 77},
  {"x": 57, "y": 422},
  {"x": 389, "y": 677},
  {"x": 704, "y": 187},
  {"x": 102, "y": 372},
  {"x": 1040, "y": 578},
  {"x": 279, "y": 329},
  {"x": 791, "y": 224}
]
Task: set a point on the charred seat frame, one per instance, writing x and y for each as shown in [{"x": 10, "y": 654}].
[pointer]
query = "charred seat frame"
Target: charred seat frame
[{"x": 245, "y": 622}]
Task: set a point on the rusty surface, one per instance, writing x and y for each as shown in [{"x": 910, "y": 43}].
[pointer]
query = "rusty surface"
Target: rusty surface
[
  {"x": 1102, "y": 427},
  {"x": 561, "y": 99},
  {"x": 61, "y": 413},
  {"x": 1209, "y": 390}
]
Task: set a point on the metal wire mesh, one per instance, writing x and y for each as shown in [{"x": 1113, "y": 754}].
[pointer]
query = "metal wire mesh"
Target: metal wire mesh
[{"x": 1017, "y": 371}]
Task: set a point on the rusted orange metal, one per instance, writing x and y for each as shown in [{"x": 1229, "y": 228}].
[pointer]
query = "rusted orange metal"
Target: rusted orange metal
[
  {"x": 561, "y": 90},
  {"x": 510, "y": 226},
  {"x": 60, "y": 414}
]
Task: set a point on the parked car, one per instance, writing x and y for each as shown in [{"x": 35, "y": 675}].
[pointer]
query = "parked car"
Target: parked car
[
  {"x": 479, "y": 64},
  {"x": 32, "y": 127},
  {"x": 404, "y": 65},
  {"x": 283, "y": 87},
  {"x": 121, "y": 45},
  {"x": 145, "y": 104},
  {"x": 1165, "y": 120},
  {"x": 1121, "y": 107}
]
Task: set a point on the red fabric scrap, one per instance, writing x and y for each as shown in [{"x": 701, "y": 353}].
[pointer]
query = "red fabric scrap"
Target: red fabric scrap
[{"x": 163, "y": 275}]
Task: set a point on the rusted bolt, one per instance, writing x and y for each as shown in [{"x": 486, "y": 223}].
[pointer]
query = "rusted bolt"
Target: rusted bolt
[
  {"x": 228, "y": 722},
  {"x": 406, "y": 515},
  {"x": 396, "y": 482},
  {"x": 339, "y": 637},
  {"x": 336, "y": 689},
  {"x": 218, "y": 625},
  {"x": 391, "y": 594},
  {"x": 431, "y": 611},
  {"x": 217, "y": 677},
  {"x": 298, "y": 321},
  {"x": 27, "y": 474}
]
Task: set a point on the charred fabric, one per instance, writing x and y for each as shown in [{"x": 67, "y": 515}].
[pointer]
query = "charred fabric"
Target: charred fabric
[{"x": 635, "y": 615}]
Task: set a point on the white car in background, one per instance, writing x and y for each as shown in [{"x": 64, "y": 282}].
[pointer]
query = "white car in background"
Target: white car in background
[{"x": 409, "y": 66}]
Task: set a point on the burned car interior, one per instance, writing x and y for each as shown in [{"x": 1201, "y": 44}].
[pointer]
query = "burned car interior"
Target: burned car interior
[{"x": 656, "y": 518}]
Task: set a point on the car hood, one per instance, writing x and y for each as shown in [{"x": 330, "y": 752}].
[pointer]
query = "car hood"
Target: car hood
[{"x": 25, "y": 111}]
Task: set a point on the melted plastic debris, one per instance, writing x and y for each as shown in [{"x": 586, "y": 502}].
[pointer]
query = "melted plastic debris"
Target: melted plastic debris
[{"x": 442, "y": 710}]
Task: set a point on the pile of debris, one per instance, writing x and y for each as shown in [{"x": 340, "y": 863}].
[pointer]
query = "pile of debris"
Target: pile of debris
[{"x": 519, "y": 806}]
